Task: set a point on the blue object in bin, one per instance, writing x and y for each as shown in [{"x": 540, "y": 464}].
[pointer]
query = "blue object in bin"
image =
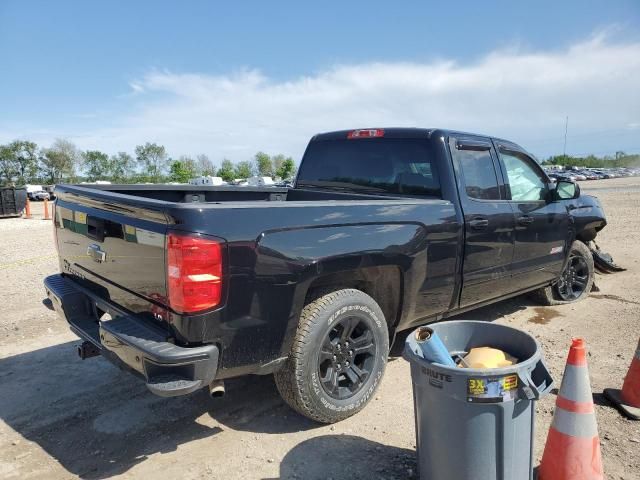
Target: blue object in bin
[{"x": 431, "y": 347}]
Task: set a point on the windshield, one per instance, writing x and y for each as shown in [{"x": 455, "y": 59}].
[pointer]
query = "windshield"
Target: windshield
[{"x": 375, "y": 165}]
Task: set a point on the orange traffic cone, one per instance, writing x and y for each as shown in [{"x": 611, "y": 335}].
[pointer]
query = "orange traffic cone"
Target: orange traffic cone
[
  {"x": 627, "y": 400},
  {"x": 27, "y": 210},
  {"x": 572, "y": 451},
  {"x": 46, "y": 210}
]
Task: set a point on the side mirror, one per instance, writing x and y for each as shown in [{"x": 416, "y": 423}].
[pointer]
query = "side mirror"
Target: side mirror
[{"x": 566, "y": 190}]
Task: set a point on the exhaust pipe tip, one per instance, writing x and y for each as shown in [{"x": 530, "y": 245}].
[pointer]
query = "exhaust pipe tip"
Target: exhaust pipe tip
[{"x": 216, "y": 389}]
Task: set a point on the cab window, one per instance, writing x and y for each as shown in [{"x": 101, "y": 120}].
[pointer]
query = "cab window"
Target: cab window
[
  {"x": 378, "y": 165},
  {"x": 525, "y": 181},
  {"x": 478, "y": 172}
]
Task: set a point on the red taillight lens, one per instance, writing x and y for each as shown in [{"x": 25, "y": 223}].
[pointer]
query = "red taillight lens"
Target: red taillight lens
[
  {"x": 366, "y": 133},
  {"x": 194, "y": 273}
]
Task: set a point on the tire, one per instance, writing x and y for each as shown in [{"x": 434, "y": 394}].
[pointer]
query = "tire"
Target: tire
[
  {"x": 556, "y": 294},
  {"x": 323, "y": 379}
]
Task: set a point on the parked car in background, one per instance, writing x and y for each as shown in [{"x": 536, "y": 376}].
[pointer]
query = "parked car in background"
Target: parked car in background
[
  {"x": 50, "y": 189},
  {"x": 588, "y": 174},
  {"x": 32, "y": 189},
  {"x": 207, "y": 180},
  {"x": 260, "y": 181},
  {"x": 562, "y": 176},
  {"x": 39, "y": 195}
]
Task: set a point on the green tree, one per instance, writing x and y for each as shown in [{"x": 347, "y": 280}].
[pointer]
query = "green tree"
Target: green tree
[
  {"x": 26, "y": 158},
  {"x": 243, "y": 169},
  {"x": 287, "y": 169},
  {"x": 152, "y": 158},
  {"x": 276, "y": 162},
  {"x": 96, "y": 165},
  {"x": 9, "y": 168},
  {"x": 58, "y": 162},
  {"x": 263, "y": 164},
  {"x": 205, "y": 166},
  {"x": 226, "y": 170},
  {"x": 190, "y": 165},
  {"x": 620, "y": 159},
  {"x": 182, "y": 170},
  {"x": 121, "y": 167}
]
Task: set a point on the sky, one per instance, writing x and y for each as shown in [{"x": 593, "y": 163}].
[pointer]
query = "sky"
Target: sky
[{"x": 230, "y": 78}]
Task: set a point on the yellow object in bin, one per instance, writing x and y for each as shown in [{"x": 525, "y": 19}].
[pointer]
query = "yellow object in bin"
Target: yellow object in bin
[{"x": 487, "y": 357}]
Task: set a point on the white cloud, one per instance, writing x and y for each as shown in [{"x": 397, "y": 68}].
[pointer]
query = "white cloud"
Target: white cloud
[{"x": 520, "y": 95}]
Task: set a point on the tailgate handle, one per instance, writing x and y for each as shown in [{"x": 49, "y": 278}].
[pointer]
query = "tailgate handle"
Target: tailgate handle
[{"x": 95, "y": 228}]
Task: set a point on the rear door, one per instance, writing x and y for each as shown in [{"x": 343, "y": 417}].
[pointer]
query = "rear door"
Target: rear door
[
  {"x": 541, "y": 226},
  {"x": 488, "y": 219}
]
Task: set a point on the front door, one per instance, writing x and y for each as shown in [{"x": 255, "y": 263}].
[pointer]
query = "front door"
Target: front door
[
  {"x": 488, "y": 219},
  {"x": 541, "y": 226}
]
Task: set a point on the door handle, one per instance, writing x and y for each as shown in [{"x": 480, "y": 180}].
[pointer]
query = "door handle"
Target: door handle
[
  {"x": 525, "y": 220},
  {"x": 479, "y": 223}
]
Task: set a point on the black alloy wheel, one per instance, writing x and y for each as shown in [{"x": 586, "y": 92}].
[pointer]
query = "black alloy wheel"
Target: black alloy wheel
[
  {"x": 346, "y": 357},
  {"x": 574, "y": 278},
  {"x": 338, "y": 355},
  {"x": 574, "y": 283}
]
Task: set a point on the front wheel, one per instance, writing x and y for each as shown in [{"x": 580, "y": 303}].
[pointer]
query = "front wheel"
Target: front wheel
[
  {"x": 575, "y": 281},
  {"x": 338, "y": 356}
]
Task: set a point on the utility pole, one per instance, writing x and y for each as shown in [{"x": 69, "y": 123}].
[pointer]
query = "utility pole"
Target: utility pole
[{"x": 566, "y": 127}]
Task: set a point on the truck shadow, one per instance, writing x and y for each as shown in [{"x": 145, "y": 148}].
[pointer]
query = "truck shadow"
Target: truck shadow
[
  {"x": 498, "y": 310},
  {"x": 347, "y": 457},
  {"x": 489, "y": 313},
  {"x": 97, "y": 421}
]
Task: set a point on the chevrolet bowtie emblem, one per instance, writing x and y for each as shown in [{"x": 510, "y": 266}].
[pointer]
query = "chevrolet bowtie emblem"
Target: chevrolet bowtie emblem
[{"x": 95, "y": 252}]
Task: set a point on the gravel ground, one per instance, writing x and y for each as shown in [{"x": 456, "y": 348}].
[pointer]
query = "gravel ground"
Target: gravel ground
[{"x": 63, "y": 418}]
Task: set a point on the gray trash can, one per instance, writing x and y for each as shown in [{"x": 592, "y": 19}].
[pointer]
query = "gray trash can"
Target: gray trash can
[{"x": 476, "y": 424}]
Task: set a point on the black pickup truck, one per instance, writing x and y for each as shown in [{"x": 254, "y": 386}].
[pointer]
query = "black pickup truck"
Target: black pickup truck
[{"x": 384, "y": 230}]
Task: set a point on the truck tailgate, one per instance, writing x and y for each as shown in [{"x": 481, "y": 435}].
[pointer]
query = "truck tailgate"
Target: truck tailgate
[{"x": 115, "y": 250}]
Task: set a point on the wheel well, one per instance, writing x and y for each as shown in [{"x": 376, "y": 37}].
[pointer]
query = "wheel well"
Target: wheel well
[
  {"x": 383, "y": 284},
  {"x": 585, "y": 236}
]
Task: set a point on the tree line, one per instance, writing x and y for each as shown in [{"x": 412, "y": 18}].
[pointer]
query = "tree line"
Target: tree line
[
  {"x": 620, "y": 159},
  {"x": 22, "y": 162}
]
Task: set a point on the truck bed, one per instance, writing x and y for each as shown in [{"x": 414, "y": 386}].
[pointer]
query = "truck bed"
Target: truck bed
[{"x": 218, "y": 194}]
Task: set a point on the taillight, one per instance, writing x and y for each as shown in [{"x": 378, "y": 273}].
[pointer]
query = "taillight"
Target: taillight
[
  {"x": 366, "y": 133},
  {"x": 194, "y": 273}
]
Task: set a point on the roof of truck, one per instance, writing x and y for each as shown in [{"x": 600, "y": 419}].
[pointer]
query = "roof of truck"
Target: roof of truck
[
  {"x": 406, "y": 132},
  {"x": 400, "y": 132}
]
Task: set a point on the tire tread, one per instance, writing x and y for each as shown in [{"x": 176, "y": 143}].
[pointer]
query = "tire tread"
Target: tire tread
[{"x": 290, "y": 379}]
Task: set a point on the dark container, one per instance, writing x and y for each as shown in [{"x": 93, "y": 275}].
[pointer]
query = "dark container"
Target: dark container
[{"x": 12, "y": 201}]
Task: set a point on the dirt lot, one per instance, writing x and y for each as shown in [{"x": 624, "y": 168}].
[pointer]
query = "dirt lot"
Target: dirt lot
[{"x": 61, "y": 417}]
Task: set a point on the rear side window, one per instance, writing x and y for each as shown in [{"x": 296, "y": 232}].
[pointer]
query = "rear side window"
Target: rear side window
[
  {"x": 478, "y": 173},
  {"x": 372, "y": 165}
]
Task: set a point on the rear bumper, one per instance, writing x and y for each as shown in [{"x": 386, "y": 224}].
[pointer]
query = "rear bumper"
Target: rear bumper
[{"x": 168, "y": 370}]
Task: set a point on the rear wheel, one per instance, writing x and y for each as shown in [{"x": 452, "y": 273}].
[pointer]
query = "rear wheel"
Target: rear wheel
[
  {"x": 575, "y": 281},
  {"x": 338, "y": 356}
]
